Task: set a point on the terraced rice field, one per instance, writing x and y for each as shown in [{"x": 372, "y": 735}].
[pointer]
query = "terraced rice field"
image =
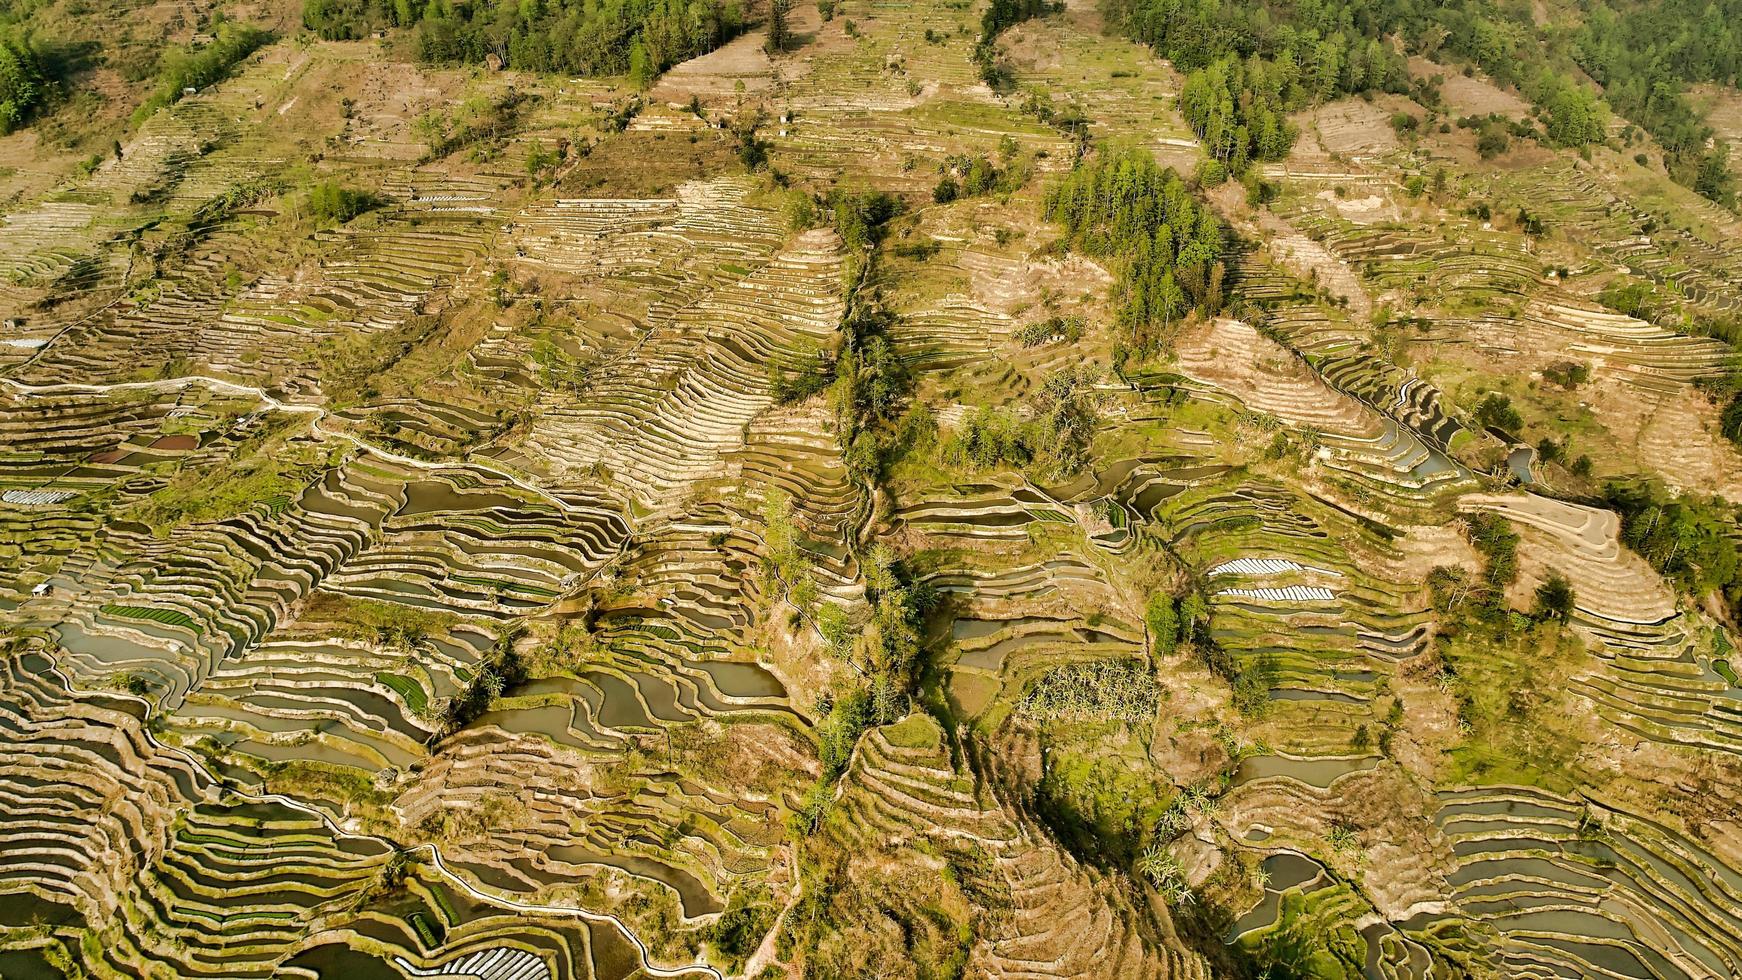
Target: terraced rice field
[{"x": 721, "y": 528}]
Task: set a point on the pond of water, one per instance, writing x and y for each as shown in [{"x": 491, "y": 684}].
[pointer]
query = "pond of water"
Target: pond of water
[
  {"x": 1319, "y": 773},
  {"x": 430, "y": 496},
  {"x": 339, "y": 962}
]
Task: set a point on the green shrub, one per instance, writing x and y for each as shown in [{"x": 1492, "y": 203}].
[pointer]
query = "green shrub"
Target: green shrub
[
  {"x": 1101, "y": 810},
  {"x": 1068, "y": 329},
  {"x": 1495, "y": 411},
  {"x": 793, "y": 378},
  {"x": 1253, "y": 683},
  {"x": 1053, "y": 434},
  {"x": 1161, "y": 615},
  {"x": 332, "y": 204},
  {"x": 739, "y": 930},
  {"x": 22, "y": 87},
  {"x": 1567, "y": 374}
]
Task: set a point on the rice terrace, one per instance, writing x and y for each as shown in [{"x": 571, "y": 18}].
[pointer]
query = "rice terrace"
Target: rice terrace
[{"x": 870, "y": 489}]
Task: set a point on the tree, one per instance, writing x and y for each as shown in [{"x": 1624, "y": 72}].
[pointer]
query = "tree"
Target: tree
[
  {"x": 1712, "y": 178},
  {"x": 779, "y": 36},
  {"x": 1192, "y": 611},
  {"x": 21, "y": 84},
  {"x": 1554, "y": 598},
  {"x": 641, "y": 70},
  {"x": 752, "y": 148},
  {"x": 1162, "y": 618},
  {"x": 1575, "y": 118}
]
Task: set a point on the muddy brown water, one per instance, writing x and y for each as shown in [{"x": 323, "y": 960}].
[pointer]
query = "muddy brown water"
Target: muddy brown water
[
  {"x": 341, "y": 962},
  {"x": 430, "y": 496},
  {"x": 27, "y": 964},
  {"x": 1319, "y": 773}
]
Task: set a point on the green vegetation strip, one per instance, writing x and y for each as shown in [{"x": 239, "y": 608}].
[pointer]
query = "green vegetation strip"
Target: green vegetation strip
[
  {"x": 408, "y": 690},
  {"x": 168, "y": 617}
]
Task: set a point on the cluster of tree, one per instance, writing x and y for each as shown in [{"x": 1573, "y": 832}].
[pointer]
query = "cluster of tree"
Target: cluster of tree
[
  {"x": 1068, "y": 120},
  {"x": 332, "y": 203},
  {"x": 1644, "y": 54},
  {"x": 1238, "y": 111},
  {"x": 22, "y": 87},
  {"x": 869, "y": 396},
  {"x": 971, "y": 175},
  {"x": 500, "y": 670},
  {"x": 1165, "y": 246},
  {"x": 859, "y": 218},
  {"x": 640, "y": 38},
  {"x": 868, "y": 387},
  {"x": 1174, "y": 620},
  {"x": 1096, "y": 691},
  {"x": 480, "y": 121},
  {"x": 797, "y": 376},
  {"x": 1572, "y": 115},
  {"x": 1730, "y": 419},
  {"x": 1002, "y": 14},
  {"x": 1690, "y": 540},
  {"x": 1494, "y": 538},
  {"x": 1250, "y": 65},
  {"x": 735, "y": 935},
  {"x": 1051, "y": 433},
  {"x": 1335, "y": 40},
  {"x": 1495, "y": 411},
  {"x": 1551, "y": 451},
  {"x": 1567, "y": 374},
  {"x": 1466, "y": 601},
  {"x": 1061, "y": 329},
  {"x": 200, "y": 65},
  {"x": 1641, "y": 54},
  {"x": 866, "y": 381},
  {"x": 884, "y": 649},
  {"x": 1461, "y": 598},
  {"x": 999, "y": 15},
  {"x": 1494, "y": 133}
]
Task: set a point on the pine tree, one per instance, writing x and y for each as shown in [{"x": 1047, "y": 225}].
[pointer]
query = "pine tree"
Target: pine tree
[{"x": 779, "y": 35}]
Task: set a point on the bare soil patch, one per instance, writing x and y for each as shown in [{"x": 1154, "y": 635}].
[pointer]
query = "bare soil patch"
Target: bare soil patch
[
  {"x": 1470, "y": 95},
  {"x": 1350, "y": 127}
]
